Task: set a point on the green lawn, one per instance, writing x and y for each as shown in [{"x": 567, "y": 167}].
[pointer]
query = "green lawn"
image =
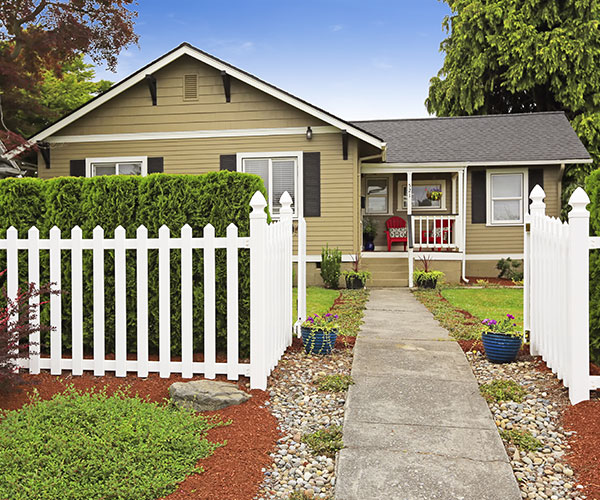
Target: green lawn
[
  {"x": 318, "y": 300},
  {"x": 484, "y": 303}
]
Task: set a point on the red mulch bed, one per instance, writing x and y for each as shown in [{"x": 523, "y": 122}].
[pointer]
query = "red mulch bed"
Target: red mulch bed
[
  {"x": 232, "y": 473},
  {"x": 584, "y": 418},
  {"x": 494, "y": 281}
]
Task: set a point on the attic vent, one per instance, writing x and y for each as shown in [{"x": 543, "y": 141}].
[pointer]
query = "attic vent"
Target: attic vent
[{"x": 190, "y": 87}]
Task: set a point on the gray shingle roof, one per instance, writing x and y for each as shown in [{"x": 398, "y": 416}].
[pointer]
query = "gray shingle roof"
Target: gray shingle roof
[{"x": 479, "y": 139}]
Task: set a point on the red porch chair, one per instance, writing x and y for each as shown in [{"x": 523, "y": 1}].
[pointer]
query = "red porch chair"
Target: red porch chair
[
  {"x": 441, "y": 233},
  {"x": 396, "y": 232}
]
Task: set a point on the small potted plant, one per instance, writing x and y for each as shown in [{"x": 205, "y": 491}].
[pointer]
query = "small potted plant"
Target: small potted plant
[
  {"x": 319, "y": 333},
  {"x": 355, "y": 279},
  {"x": 501, "y": 341},
  {"x": 426, "y": 277},
  {"x": 369, "y": 233}
]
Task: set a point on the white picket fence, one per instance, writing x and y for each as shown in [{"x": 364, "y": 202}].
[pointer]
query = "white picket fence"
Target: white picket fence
[
  {"x": 270, "y": 248},
  {"x": 556, "y": 301}
]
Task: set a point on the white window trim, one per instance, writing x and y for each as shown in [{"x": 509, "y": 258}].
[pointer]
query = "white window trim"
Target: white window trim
[
  {"x": 423, "y": 182},
  {"x": 297, "y": 155},
  {"x": 117, "y": 159},
  {"x": 390, "y": 183},
  {"x": 488, "y": 186}
]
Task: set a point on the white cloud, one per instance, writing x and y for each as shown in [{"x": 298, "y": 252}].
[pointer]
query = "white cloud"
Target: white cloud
[
  {"x": 382, "y": 63},
  {"x": 336, "y": 27}
]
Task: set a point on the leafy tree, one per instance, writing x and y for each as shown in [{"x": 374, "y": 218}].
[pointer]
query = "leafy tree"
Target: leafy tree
[
  {"x": 56, "y": 95},
  {"x": 514, "y": 56},
  {"x": 38, "y": 36}
]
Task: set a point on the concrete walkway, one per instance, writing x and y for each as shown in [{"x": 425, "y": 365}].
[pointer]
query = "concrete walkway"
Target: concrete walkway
[{"x": 415, "y": 425}]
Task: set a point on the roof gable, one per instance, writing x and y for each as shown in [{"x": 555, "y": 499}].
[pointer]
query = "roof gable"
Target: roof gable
[{"x": 186, "y": 49}]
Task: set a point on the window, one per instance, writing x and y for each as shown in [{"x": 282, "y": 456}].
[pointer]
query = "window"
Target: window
[
  {"x": 116, "y": 166},
  {"x": 280, "y": 174},
  {"x": 422, "y": 195},
  {"x": 505, "y": 194},
  {"x": 377, "y": 195}
]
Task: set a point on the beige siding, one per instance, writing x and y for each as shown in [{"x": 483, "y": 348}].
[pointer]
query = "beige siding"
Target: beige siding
[
  {"x": 338, "y": 223},
  {"x": 132, "y": 111},
  {"x": 482, "y": 239}
]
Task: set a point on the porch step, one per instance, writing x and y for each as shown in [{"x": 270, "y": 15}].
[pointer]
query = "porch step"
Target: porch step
[
  {"x": 388, "y": 283},
  {"x": 386, "y": 272}
]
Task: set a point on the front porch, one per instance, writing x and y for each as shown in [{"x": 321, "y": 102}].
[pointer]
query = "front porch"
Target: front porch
[{"x": 415, "y": 212}]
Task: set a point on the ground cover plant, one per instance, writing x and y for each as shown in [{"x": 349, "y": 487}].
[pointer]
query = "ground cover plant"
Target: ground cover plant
[
  {"x": 85, "y": 445},
  {"x": 350, "y": 308},
  {"x": 334, "y": 383},
  {"x": 487, "y": 302},
  {"x": 460, "y": 324},
  {"x": 502, "y": 390},
  {"x": 522, "y": 439},
  {"x": 325, "y": 441},
  {"x": 318, "y": 300}
]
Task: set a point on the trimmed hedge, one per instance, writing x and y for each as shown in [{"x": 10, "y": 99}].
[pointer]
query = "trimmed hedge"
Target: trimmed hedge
[
  {"x": 218, "y": 198},
  {"x": 593, "y": 190}
]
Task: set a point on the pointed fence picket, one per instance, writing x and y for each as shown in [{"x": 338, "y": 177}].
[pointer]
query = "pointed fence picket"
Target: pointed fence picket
[
  {"x": 556, "y": 291},
  {"x": 270, "y": 248}
]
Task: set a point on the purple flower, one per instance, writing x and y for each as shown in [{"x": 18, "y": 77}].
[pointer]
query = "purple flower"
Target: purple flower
[
  {"x": 336, "y": 316},
  {"x": 510, "y": 316},
  {"x": 514, "y": 324}
]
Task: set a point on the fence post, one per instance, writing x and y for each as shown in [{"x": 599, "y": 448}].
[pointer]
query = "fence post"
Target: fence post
[
  {"x": 301, "y": 273},
  {"x": 285, "y": 214},
  {"x": 536, "y": 208},
  {"x": 258, "y": 229},
  {"x": 578, "y": 302}
]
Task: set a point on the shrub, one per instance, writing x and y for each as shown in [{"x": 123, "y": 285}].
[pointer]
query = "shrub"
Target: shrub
[
  {"x": 509, "y": 269},
  {"x": 593, "y": 190},
  {"x": 325, "y": 441},
  {"x": 88, "y": 445},
  {"x": 14, "y": 333},
  {"x": 331, "y": 261},
  {"x": 502, "y": 390},
  {"x": 219, "y": 198},
  {"x": 334, "y": 383},
  {"x": 521, "y": 439}
]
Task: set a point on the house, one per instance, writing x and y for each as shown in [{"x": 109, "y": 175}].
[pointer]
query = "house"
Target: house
[{"x": 188, "y": 112}]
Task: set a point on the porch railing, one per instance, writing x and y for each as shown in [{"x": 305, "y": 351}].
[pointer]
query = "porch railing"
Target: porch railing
[{"x": 435, "y": 232}]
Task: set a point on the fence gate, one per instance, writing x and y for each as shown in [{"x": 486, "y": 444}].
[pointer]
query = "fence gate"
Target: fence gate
[
  {"x": 556, "y": 294},
  {"x": 270, "y": 248}
]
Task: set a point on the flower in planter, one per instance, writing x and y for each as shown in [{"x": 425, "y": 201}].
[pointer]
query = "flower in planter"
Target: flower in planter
[
  {"x": 319, "y": 333},
  {"x": 434, "y": 194},
  {"x": 506, "y": 325}
]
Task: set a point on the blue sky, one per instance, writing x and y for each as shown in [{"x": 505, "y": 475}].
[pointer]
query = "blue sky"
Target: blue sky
[{"x": 359, "y": 59}]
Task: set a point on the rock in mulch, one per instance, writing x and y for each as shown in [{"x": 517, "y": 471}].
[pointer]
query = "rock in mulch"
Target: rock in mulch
[
  {"x": 301, "y": 409},
  {"x": 545, "y": 472},
  {"x": 206, "y": 395}
]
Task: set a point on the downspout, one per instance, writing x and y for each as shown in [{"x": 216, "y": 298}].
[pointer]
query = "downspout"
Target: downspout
[
  {"x": 464, "y": 231},
  {"x": 560, "y": 179}
]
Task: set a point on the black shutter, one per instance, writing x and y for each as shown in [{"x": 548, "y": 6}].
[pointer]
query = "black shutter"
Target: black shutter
[
  {"x": 478, "y": 197},
  {"x": 312, "y": 184},
  {"x": 156, "y": 165},
  {"x": 228, "y": 162},
  {"x": 536, "y": 176},
  {"x": 77, "y": 168}
]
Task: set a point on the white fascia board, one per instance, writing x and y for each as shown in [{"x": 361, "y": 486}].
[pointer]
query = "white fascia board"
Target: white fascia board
[
  {"x": 235, "y": 73},
  {"x": 190, "y": 134},
  {"x": 413, "y": 167},
  {"x": 387, "y": 168}
]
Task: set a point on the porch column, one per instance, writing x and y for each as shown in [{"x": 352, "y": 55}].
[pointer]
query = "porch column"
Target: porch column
[
  {"x": 460, "y": 212},
  {"x": 410, "y": 226}
]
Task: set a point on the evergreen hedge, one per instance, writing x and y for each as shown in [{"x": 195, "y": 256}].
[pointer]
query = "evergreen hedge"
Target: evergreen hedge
[
  {"x": 218, "y": 198},
  {"x": 593, "y": 191}
]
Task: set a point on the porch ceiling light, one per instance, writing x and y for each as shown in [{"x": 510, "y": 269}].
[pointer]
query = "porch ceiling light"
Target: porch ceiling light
[{"x": 308, "y": 133}]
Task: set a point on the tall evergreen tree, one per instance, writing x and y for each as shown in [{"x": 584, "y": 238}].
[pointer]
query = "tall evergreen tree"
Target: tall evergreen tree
[{"x": 515, "y": 56}]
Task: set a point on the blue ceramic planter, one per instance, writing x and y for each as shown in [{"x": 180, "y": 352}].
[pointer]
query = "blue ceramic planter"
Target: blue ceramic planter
[
  {"x": 500, "y": 348},
  {"x": 317, "y": 341}
]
